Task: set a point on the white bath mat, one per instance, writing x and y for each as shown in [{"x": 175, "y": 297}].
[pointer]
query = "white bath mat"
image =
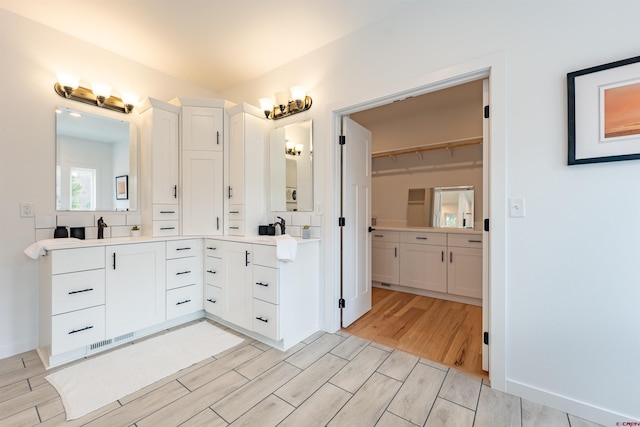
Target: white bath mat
[{"x": 96, "y": 382}]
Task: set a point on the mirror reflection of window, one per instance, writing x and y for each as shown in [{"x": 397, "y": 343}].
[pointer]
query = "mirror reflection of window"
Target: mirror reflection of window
[{"x": 83, "y": 189}]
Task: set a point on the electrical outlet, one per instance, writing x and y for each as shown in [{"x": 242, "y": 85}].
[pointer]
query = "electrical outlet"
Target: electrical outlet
[{"x": 26, "y": 209}]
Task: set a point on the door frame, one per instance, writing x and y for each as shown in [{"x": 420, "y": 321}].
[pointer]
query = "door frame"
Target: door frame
[{"x": 492, "y": 67}]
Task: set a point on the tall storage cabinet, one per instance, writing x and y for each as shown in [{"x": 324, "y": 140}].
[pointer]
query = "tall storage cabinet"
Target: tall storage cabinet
[
  {"x": 159, "y": 162},
  {"x": 247, "y": 189}
]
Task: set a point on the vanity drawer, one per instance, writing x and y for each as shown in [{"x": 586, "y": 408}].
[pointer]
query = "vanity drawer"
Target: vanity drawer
[
  {"x": 465, "y": 240},
  {"x": 184, "y": 272},
  {"x": 385, "y": 236},
  {"x": 165, "y": 228},
  {"x": 213, "y": 271},
  {"x": 212, "y": 300},
  {"x": 75, "y": 291},
  {"x": 423, "y": 238},
  {"x": 183, "y": 301},
  {"x": 165, "y": 212},
  {"x": 265, "y": 284},
  {"x": 70, "y": 260},
  {"x": 236, "y": 212},
  {"x": 265, "y": 255},
  {"x": 213, "y": 248},
  {"x": 236, "y": 227},
  {"x": 77, "y": 329},
  {"x": 183, "y": 248},
  {"x": 266, "y": 319}
]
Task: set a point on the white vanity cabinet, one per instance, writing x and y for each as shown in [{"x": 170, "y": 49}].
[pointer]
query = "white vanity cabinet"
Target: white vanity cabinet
[
  {"x": 135, "y": 287},
  {"x": 464, "y": 269},
  {"x": 159, "y": 153},
  {"x": 422, "y": 260},
  {"x": 236, "y": 284},
  {"x": 214, "y": 277},
  {"x": 184, "y": 277},
  {"x": 247, "y": 189},
  {"x": 385, "y": 262}
]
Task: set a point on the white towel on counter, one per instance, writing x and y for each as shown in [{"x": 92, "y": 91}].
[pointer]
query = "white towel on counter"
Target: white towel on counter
[
  {"x": 37, "y": 249},
  {"x": 286, "y": 247}
]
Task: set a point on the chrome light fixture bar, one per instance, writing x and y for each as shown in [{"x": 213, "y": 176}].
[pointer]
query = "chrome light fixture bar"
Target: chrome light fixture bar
[
  {"x": 100, "y": 95},
  {"x": 286, "y": 105}
]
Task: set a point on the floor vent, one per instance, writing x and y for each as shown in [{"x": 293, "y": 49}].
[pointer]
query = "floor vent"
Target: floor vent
[
  {"x": 123, "y": 337},
  {"x": 385, "y": 284},
  {"x": 99, "y": 344}
]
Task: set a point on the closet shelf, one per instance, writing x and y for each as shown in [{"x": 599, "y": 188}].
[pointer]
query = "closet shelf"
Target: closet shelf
[{"x": 446, "y": 145}]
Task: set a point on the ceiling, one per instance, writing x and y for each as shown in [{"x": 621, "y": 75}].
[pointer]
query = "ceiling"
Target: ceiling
[{"x": 213, "y": 43}]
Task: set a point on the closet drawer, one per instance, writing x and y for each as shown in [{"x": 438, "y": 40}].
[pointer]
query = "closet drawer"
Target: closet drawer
[
  {"x": 465, "y": 240},
  {"x": 265, "y": 284},
  {"x": 165, "y": 212},
  {"x": 70, "y": 260},
  {"x": 385, "y": 236},
  {"x": 213, "y": 271},
  {"x": 75, "y": 291},
  {"x": 184, "y": 272},
  {"x": 266, "y": 319},
  {"x": 183, "y": 248},
  {"x": 77, "y": 329},
  {"x": 183, "y": 301},
  {"x": 165, "y": 228},
  {"x": 423, "y": 238},
  {"x": 213, "y": 300},
  {"x": 213, "y": 248},
  {"x": 236, "y": 227},
  {"x": 236, "y": 212}
]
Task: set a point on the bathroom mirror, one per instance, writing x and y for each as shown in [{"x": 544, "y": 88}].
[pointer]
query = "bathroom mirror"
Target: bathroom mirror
[
  {"x": 291, "y": 167},
  {"x": 453, "y": 207},
  {"x": 96, "y": 162}
]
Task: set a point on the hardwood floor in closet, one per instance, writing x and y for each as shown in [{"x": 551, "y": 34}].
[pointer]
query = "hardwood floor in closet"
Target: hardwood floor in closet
[{"x": 442, "y": 331}]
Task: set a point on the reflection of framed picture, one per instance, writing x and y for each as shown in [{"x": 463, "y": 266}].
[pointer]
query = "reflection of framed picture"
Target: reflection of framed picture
[
  {"x": 122, "y": 187},
  {"x": 604, "y": 112}
]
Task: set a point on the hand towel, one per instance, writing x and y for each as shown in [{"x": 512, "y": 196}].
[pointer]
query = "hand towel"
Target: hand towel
[
  {"x": 286, "y": 247},
  {"x": 38, "y": 248}
]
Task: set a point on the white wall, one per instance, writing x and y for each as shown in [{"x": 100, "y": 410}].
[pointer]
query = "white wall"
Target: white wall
[
  {"x": 571, "y": 282},
  {"x": 30, "y": 56}
]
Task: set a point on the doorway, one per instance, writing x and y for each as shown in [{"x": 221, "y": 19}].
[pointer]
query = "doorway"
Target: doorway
[{"x": 411, "y": 171}]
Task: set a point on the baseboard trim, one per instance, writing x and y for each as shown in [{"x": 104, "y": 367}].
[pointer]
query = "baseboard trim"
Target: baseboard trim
[{"x": 565, "y": 404}]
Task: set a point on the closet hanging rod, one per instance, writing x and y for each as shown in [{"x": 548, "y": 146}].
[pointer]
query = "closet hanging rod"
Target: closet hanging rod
[{"x": 429, "y": 147}]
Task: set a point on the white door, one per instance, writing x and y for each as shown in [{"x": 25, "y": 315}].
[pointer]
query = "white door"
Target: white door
[
  {"x": 485, "y": 239},
  {"x": 202, "y": 193},
  {"x": 356, "y": 207}
]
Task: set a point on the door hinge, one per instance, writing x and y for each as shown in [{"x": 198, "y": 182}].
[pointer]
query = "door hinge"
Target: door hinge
[
  {"x": 341, "y": 303},
  {"x": 342, "y": 140},
  {"x": 486, "y": 111},
  {"x": 486, "y": 338},
  {"x": 486, "y": 224},
  {"x": 341, "y": 221}
]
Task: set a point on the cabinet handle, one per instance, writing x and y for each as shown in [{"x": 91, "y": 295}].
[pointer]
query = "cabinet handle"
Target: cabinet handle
[
  {"x": 211, "y": 271},
  {"x": 234, "y": 228},
  {"x": 175, "y": 191},
  {"x": 75, "y": 331},
  {"x": 246, "y": 258},
  {"x": 167, "y": 212},
  {"x": 218, "y": 137},
  {"x": 395, "y": 252},
  {"x": 211, "y": 248},
  {"x": 167, "y": 228},
  {"x": 262, "y": 320},
  {"x": 183, "y": 302},
  {"x": 474, "y": 241},
  {"x": 114, "y": 260},
  {"x": 378, "y": 235},
  {"x": 183, "y": 272},
  {"x": 212, "y": 301},
  {"x": 230, "y": 195},
  {"x": 77, "y": 292},
  {"x": 217, "y": 223},
  {"x": 182, "y": 249},
  {"x": 422, "y": 238},
  {"x": 235, "y": 212},
  {"x": 266, "y": 285},
  {"x": 450, "y": 256},
  {"x": 442, "y": 256}
]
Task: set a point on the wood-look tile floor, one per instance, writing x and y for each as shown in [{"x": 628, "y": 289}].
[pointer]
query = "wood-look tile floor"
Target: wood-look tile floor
[
  {"x": 328, "y": 379},
  {"x": 446, "y": 332}
]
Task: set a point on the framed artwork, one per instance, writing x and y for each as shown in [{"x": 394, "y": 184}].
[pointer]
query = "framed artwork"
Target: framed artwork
[
  {"x": 122, "y": 187},
  {"x": 604, "y": 112}
]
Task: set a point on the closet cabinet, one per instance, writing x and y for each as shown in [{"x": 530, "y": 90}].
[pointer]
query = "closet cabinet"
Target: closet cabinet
[
  {"x": 385, "y": 263},
  {"x": 159, "y": 154},
  {"x": 247, "y": 189},
  {"x": 422, "y": 261}
]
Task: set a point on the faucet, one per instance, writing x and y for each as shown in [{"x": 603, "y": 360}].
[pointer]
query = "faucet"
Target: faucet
[
  {"x": 281, "y": 224},
  {"x": 101, "y": 227}
]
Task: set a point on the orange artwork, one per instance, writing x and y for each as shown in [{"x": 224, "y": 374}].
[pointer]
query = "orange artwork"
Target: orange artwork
[
  {"x": 622, "y": 111},
  {"x": 121, "y": 189}
]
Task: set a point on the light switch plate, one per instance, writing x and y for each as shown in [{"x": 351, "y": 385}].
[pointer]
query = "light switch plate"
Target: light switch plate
[{"x": 516, "y": 207}]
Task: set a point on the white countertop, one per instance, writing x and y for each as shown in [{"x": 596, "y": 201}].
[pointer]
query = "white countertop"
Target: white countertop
[{"x": 432, "y": 229}]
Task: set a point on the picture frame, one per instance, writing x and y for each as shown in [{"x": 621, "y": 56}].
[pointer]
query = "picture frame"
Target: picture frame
[
  {"x": 604, "y": 113},
  {"x": 122, "y": 187}
]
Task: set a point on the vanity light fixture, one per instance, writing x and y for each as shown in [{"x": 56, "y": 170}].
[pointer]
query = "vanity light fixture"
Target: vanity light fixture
[
  {"x": 286, "y": 104},
  {"x": 69, "y": 87}
]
